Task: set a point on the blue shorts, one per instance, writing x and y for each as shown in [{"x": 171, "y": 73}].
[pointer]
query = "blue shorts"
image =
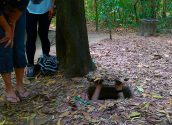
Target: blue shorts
[{"x": 14, "y": 57}]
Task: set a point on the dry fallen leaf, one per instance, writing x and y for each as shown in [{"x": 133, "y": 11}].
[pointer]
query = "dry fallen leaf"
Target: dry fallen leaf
[
  {"x": 134, "y": 114},
  {"x": 87, "y": 116},
  {"x": 156, "y": 96},
  {"x": 145, "y": 106},
  {"x": 102, "y": 108},
  {"x": 115, "y": 118},
  {"x": 59, "y": 122},
  {"x": 64, "y": 114},
  {"x": 90, "y": 109},
  {"x": 3, "y": 122}
]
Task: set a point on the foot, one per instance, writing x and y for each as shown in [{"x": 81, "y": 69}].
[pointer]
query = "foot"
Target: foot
[
  {"x": 30, "y": 73},
  {"x": 22, "y": 92},
  {"x": 12, "y": 97}
]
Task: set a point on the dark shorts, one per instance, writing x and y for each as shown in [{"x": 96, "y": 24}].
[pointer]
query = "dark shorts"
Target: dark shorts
[{"x": 14, "y": 57}]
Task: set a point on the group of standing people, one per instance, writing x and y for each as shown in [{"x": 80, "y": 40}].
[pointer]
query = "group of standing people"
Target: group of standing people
[{"x": 16, "y": 16}]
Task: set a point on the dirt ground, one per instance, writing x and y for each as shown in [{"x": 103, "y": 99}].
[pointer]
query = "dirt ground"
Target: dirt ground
[{"x": 145, "y": 61}]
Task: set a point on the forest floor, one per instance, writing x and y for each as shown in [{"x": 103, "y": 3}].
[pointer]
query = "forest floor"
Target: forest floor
[{"x": 145, "y": 61}]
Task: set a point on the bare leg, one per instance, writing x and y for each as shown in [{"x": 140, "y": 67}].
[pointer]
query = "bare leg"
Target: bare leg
[
  {"x": 19, "y": 82},
  {"x": 9, "y": 91}
]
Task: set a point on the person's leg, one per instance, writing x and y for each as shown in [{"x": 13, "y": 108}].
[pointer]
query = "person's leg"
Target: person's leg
[
  {"x": 6, "y": 67},
  {"x": 31, "y": 30},
  {"x": 19, "y": 58},
  {"x": 19, "y": 80},
  {"x": 43, "y": 29},
  {"x": 9, "y": 91}
]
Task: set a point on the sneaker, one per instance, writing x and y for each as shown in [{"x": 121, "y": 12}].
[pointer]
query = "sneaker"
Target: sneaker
[{"x": 30, "y": 73}]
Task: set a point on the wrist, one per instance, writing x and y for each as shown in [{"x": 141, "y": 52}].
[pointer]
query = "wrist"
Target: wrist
[{"x": 11, "y": 23}]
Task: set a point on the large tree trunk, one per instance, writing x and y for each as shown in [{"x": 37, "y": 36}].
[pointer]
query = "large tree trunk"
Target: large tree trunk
[{"x": 72, "y": 39}]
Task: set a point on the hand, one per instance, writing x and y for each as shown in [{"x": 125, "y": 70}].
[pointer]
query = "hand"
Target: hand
[
  {"x": 50, "y": 13},
  {"x": 9, "y": 34}
]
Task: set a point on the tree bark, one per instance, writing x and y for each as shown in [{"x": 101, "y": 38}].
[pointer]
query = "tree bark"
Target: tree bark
[
  {"x": 72, "y": 45},
  {"x": 135, "y": 10},
  {"x": 97, "y": 15},
  {"x": 110, "y": 34}
]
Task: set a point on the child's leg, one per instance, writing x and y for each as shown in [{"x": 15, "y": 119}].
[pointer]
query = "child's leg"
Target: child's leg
[
  {"x": 6, "y": 67},
  {"x": 31, "y": 30},
  {"x": 9, "y": 91},
  {"x": 19, "y": 54},
  {"x": 44, "y": 23}
]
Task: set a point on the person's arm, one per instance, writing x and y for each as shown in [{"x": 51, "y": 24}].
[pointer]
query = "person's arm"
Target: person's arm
[
  {"x": 19, "y": 7},
  {"x": 13, "y": 16},
  {"x": 7, "y": 31},
  {"x": 96, "y": 93},
  {"x": 51, "y": 11},
  {"x": 3, "y": 23}
]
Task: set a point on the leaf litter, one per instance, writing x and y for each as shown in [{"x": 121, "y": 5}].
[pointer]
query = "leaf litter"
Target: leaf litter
[{"x": 145, "y": 62}]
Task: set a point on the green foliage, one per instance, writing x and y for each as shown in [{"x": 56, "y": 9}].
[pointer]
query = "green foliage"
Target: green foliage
[
  {"x": 90, "y": 14},
  {"x": 113, "y": 13},
  {"x": 107, "y": 9}
]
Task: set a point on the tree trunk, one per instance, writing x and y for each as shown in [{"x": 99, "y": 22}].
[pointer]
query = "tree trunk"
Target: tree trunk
[
  {"x": 97, "y": 15},
  {"x": 153, "y": 8},
  {"x": 164, "y": 9},
  {"x": 143, "y": 8},
  {"x": 71, "y": 38},
  {"x": 110, "y": 34},
  {"x": 135, "y": 10},
  {"x": 147, "y": 27}
]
